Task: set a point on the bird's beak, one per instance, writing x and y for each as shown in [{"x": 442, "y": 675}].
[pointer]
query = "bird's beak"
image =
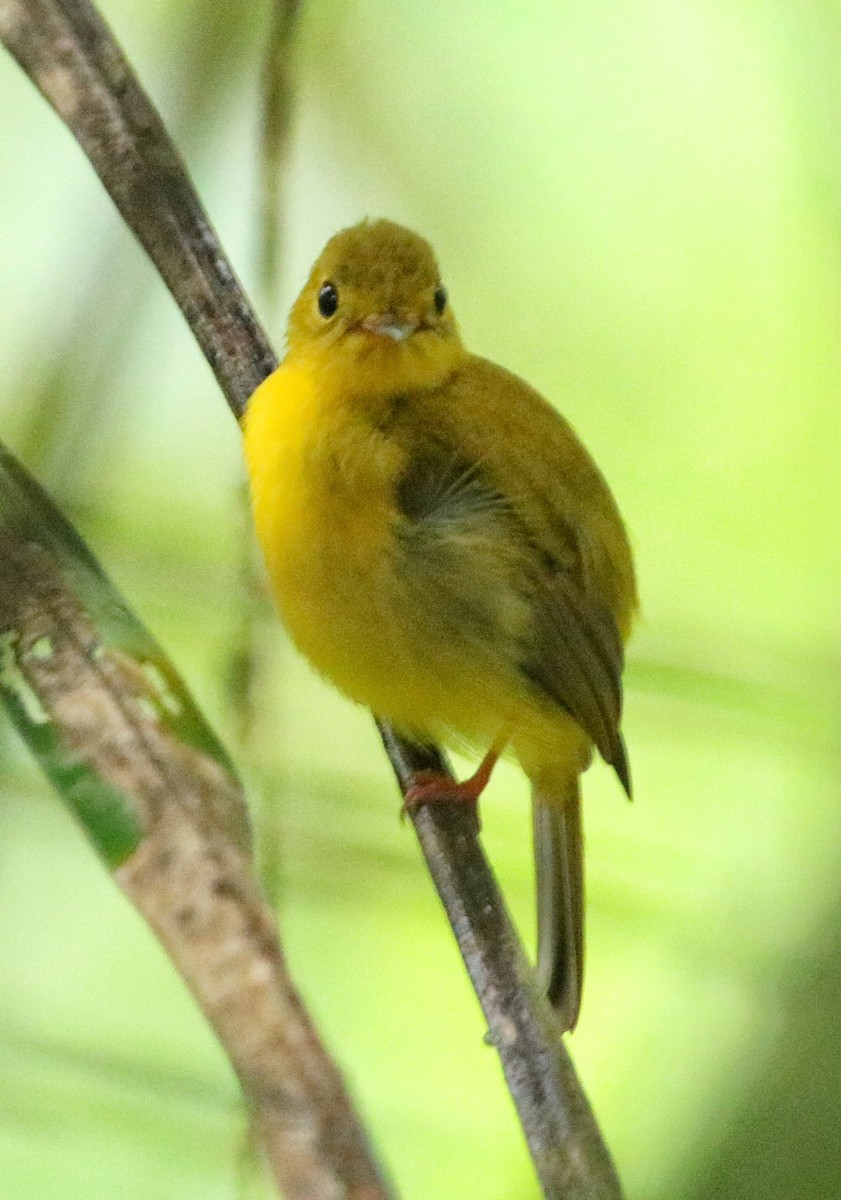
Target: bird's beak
[{"x": 390, "y": 326}]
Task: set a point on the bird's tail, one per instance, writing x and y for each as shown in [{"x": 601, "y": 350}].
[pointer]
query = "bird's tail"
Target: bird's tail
[{"x": 559, "y": 873}]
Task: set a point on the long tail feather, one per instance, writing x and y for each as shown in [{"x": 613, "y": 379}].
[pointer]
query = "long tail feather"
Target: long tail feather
[{"x": 559, "y": 871}]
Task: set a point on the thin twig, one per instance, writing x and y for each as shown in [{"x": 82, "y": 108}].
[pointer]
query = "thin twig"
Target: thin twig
[
  {"x": 247, "y": 671},
  {"x": 69, "y": 54},
  {"x": 278, "y": 92}
]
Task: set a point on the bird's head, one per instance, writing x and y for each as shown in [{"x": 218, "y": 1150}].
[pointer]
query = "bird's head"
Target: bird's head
[{"x": 374, "y": 312}]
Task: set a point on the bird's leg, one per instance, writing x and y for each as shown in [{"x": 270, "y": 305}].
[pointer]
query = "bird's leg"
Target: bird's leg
[{"x": 427, "y": 787}]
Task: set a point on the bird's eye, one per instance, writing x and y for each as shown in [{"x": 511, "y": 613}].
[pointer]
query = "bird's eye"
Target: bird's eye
[
  {"x": 440, "y": 300},
  {"x": 328, "y": 299}
]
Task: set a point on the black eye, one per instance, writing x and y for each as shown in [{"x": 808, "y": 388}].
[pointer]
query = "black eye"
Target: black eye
[
  {"x": 440, "y": 300},
  {"x": 328, "y": 299}
]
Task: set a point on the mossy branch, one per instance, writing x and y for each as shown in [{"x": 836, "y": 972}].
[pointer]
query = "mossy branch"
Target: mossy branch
[
  {"x": 112, "y": 724},
  {"x": 72, "y": 58}
]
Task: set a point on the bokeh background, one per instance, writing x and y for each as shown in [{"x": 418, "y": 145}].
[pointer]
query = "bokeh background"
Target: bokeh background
[{"x": 637, "y": 206}]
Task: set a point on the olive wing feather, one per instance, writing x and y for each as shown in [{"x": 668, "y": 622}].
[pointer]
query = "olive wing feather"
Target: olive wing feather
[{"x": 570, "y": 651}]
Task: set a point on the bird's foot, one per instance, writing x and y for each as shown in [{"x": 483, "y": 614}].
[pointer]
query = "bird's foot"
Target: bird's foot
[{"x": 430, "y": 787}]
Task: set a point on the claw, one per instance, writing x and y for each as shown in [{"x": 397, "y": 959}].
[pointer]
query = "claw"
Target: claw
[{"x": 430, "y": 787}]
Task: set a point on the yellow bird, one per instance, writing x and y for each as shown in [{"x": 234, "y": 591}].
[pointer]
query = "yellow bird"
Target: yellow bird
[{"x": 443, "y": 549}]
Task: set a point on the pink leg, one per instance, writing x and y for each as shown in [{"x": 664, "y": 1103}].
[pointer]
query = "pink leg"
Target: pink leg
[{"x": 427, "y": 787}]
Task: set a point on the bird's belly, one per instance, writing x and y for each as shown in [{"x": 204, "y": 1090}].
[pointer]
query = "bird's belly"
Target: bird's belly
[
  {"x": 334, "y": 571},
  {"x": 328, "y": 527}
]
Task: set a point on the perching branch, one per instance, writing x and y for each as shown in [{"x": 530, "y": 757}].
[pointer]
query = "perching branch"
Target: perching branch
[
  {"x": 73, "y": 60},
  {"x": 113, "y": 726},
  {"x": 570, "y": 1156}
]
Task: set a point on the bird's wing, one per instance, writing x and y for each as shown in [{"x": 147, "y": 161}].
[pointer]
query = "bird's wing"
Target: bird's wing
[
  {"x": 473, "y": 545},
  {"x": 575, "y": 658}
]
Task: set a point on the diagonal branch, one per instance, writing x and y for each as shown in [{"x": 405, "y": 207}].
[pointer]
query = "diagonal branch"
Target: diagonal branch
[
  {"x": 69, "y": 53},
  {"x": 72, "y": 58},
  {"x": 570, "y": 1156},
  {"x": 113, "y": 726}
]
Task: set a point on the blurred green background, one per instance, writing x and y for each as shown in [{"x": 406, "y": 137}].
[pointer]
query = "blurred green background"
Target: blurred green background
[{"x": 636, "y": 205}]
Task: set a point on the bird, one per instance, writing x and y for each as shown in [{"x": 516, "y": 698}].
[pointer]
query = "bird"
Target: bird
[{"x": 444, "y": 550}]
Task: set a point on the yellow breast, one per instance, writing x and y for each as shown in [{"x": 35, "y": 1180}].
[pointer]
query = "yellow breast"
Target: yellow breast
[
  {"x": 322, "y": 481},
  {"x": 322, "y": 484}
]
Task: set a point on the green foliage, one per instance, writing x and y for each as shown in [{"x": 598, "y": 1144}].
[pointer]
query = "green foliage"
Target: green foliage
[
  {"x": 49, "y": 568},
  {"x": 635, "y": 207}
]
